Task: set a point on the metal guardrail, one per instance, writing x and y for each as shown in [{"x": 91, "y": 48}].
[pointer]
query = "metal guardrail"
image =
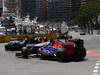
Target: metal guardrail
[{"x": 4, "y": 39}]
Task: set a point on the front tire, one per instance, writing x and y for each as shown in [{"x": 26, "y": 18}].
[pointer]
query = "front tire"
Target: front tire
[{"x": 24, "y": 52}]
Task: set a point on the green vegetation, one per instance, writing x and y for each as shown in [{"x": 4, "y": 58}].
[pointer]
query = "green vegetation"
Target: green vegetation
[{"x": 87, "y": 16}]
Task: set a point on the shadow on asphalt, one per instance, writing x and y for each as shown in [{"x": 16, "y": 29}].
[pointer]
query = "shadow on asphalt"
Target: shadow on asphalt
[
  {"x": 80, "y": 60},
  {"x": 53, "y": 59},
  {"x": 64, "y": 61}
]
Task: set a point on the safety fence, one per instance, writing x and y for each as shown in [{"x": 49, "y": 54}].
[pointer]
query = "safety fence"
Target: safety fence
[
  {"x": 50, "y": 35},
  {"x": 4, "y": 39}
]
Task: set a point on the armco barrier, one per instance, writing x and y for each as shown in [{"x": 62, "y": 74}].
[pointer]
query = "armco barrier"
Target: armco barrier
[
  {"x": 50, "y": 35},
  {"x": 20, "y": 37},
  {"x": 2, "y": 39},
  {"x": 7, "y": 38}
]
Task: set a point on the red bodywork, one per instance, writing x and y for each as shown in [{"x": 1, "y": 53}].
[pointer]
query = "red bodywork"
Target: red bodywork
[
  {"x": 57, "y": 44},
  {"x": 70, "y": 47}
]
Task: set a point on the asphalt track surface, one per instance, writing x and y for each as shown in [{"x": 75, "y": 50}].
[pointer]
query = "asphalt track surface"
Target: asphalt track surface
[{"x": 11, "y": 65}]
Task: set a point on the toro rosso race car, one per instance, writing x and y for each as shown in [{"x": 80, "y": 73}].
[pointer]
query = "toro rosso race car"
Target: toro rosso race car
[
  {"x": 64, "y": 50},
  {"x": 61, "y": 50},
  {"x": 15, "y": 44}
]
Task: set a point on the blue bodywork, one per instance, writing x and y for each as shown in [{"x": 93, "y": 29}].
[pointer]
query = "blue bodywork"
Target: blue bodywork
[
  {"x": 49, "y": 50},
  {"x": 33, "y": 49}
]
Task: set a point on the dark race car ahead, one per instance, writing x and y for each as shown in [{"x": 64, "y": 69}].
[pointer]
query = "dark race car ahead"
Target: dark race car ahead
[
  {"x": 61, "y": 50},
  {"x": 15, "y": 44}
]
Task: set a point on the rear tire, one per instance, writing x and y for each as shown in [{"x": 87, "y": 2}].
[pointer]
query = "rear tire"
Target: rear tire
[
  {"x": 80, "y": 54},
  {"x": 61, "y": 56}
]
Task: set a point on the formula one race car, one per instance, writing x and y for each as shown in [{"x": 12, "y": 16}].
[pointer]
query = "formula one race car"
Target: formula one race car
[
  {"x": 15, "y": 44},
  {"x": 61, "y": 50},
  {"x": 64, "y": 50}
]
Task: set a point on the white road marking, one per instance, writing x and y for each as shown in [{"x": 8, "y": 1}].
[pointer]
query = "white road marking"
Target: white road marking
[
  {"x": 97, "y": 64},
  {"x": 95, "y": 74},
  {"x": 94, "y": 71},
  {"x": 96, "y": 68}
]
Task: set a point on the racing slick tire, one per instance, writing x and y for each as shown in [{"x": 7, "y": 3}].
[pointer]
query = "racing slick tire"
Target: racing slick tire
[
  {"x": 61, "y": 56},
  {"x": 24, "y": 52},
  {"x": 80, "y": 54}
]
